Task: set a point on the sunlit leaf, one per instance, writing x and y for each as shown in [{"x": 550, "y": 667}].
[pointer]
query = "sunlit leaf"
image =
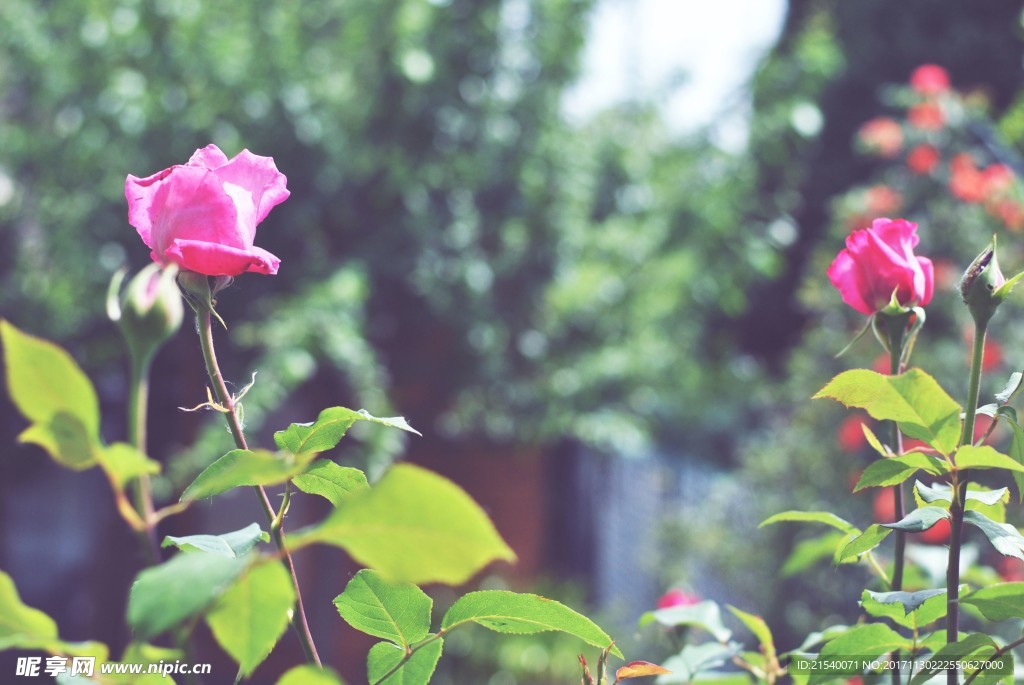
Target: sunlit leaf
[{"x": 399, "y": 612}]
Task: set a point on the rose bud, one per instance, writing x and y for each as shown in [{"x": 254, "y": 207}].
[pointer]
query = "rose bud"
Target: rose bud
[
  {"x": 149, "y": 312},
  {"x": 982, "y": 285}
]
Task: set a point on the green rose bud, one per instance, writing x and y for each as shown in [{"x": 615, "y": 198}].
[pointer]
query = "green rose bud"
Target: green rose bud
[
  {"x": 982, "y": 285},
  {"x": 149, "y": 312}
]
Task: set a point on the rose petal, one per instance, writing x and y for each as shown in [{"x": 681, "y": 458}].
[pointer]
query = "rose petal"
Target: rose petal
[
  {"x": 843, "y": 275},
  {"x": 259, "y": 176},
  {"x": 213, "y": 259},
  {"x": 209, "y": 157}
]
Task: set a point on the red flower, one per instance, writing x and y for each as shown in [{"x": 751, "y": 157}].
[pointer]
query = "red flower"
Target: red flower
[
  {"x": 966, "y": 183},
  {"x": 677, "y": 598},
  {"x": 923, "y": 159},
  {"x": 998, "y": 179},
  {"x": 1011, "y": 569},
  {"x": 930, "y": 79},
  {"x": 882, "y": 199},
  {"x": 1010, "y": 213},
  {"x": 992, "y": 356},
  {"x": 927, "y": 116},
  {"x": 884, "y": 509},
  {"x": 850, "y": 435},
  {"x": 878, "y": 261},
  {"x": 882, "y": 135}
]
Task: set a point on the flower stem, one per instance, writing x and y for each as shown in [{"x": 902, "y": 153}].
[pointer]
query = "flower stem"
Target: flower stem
[
  {"x": 142, "y": 490},
  {"x": 959, "y": 493},
  {"x": 299, "y": 623}
]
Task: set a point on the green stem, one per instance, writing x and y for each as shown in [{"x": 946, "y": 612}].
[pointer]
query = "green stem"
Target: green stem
[
  {"x": 224, "y": 397},
  {"x": 142, "y": 489},
  {"x": 959, "y": 493}
]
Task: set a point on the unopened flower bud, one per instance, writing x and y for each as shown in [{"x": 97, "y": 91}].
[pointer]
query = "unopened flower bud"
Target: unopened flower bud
[
  {"x": 981, "y": 285},
  {"x": 149, "y": 312}
]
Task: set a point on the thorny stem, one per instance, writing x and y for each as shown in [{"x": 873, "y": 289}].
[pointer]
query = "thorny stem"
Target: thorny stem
[
  {"x": 224, "y": 397},
  {"x": 959, "y": 492}
]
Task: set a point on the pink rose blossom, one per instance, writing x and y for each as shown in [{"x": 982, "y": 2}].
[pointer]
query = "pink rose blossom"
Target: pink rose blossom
[
  {"x": 677, "y": 598},
  {"x": 202, "y": 216},
  {"x": 930, "y": 79},
  {"x": 878, "y": 261}
]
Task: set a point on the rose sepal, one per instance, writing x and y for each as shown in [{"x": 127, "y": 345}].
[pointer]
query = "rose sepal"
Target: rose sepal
[{"x": 195, "y": 287}]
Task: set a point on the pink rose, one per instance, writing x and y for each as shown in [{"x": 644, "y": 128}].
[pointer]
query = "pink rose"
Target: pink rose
[
  {"x": 930, "y": 79},
  {"x": 202, "y": 216},
  {"x": 878, "y": 261},
  {"x": 677, "y": 598}
]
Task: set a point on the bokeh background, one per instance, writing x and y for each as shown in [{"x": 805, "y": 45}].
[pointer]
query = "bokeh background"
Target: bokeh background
[{"x": 579, "y": 244}]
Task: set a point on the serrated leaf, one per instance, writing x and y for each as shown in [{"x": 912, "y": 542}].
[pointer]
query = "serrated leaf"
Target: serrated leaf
[
  {"x": 328, "y": 430},
  {"x": 413, "y": 525},
  {"x": 704, "y": 615},
  {"x": 310, "y": 675},
  {"x": 399, "y": 612},
  {"x": 511, "y": 612},
  {"x": 1005, "y": 538},
  {"x": 919, "y": 520},
  {"x": 123, "y": 463},
  {"x": 244, "y": 467},
  {"x": 914, "y": 400},
  {"x": 985, "y": 457},
  {"x": 327, "y": 479},
  {"x": 968, "y": 646},
  {"x": 1011, "y": 388},
  {"x": 640, "y": 669},
  {"x": 825, "y": 517},
  {"x": 384, "y": 656},
  {"x": 998, "y": 602},
  {"x": 237, "y": 543},
  {"x": 989, "y": 502},
  {"x": 864, "y": 640},
  {"x": 895, "y": 470},
  {"x": 165, "y": 595},
  {"x": 250, "y": 617},
  {"x": 44, "y": 382},
  {"x": 21, "y": 626},
  {"x": 908, "y": 609},
  {"x": 759, "y": 628},
  {"x": 867, "y": 541}
]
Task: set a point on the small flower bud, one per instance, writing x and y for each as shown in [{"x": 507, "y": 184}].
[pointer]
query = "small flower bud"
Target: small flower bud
[
  {"x": 981, "y": 285},
  {"x": 149, "y": 312}
]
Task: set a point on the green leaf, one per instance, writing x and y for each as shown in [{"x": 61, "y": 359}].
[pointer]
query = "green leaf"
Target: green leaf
[
  {"x": 989, "y": 502},
  {"x": 327, "y": 479},
  {"x": 756, "y": 625},
  {"x": 21, "y": 626},
  {"x": 65, "y": 439},
  {"x": 984, "y": 457},
  {"x": 908, "y": 609},
  {"x": 399, "y": 612},
  {"x": 894, "y": 470},
  {"x": 998, "y": 602},
  {"x": 696, "y": 659},
  {"x": 968, "y": 646},
  {"x": 511, "y": 612},
  {"x": 244, "y": 467},
  {"x": 1005, "y": 538},
  {"x": 864, "y": 640},
  {"x": 44, "y": 381},
  {"x": 123, "y": 463},
  {"x": 809, "y": 552},
  {"x": 919, "y": 520},
  {"x": 1017, "y": 454},
  {"x": 914, "y": 400},
  {"x": 704, "y": 615},
  {"x": 384, "y": 656},
  {"x": 251, "y": 616},
  {"x": 867, "y": 541},
  {"x": 328, "y": 430},
  {"x": 875, "y": 443},
  {"x": 237, "y": 543},
  {"x": 310, "y": 675},
  {"x": 826, "y": 517},
  {"x": 165, "y": 595},
  {"x": 414, "y": 526}
]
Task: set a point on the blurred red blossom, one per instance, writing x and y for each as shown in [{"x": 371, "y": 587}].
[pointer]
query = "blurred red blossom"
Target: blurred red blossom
[
  {"x": 882, "y": 135},
  {"x": 930, "y": 79},
  {"x": 926, "y": 116},
  {"x": 850, "y": 435},
  {"x": 677, "y": 598},
  {"x": 923, "y": 159}
]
